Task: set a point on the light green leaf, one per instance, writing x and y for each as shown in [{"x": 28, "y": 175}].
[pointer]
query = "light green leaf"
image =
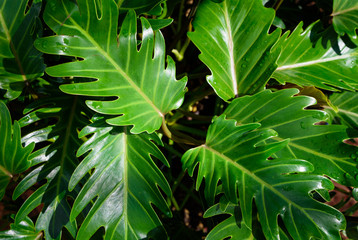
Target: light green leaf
[
  {"x": 323, "y": 60},
  {"x": 345, "y": 16},
  {"x": 55, "y": 161},
  {"x": 322, "y": 145},
  {"x": 25, "y": 230},
  {"x": 144, "y": 90},
  {"x": 20, "y": 62},
  {"x": 238, "y": 54},
  {"x": 237, "y": 157},
  {"x": 124, "y": 180},
  {"x": 347, "y": 108},
  {"x": 13, "y": 156}
]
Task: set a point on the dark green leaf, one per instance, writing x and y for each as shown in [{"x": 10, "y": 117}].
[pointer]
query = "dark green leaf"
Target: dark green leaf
[
  {"x": 237, "y": 156},
  {"x": 13, "y": 156},
  {"x": 347, "y": 108},
  {"x": 55, "y": 161},
  {"x": 20, "y": 62},
  {"x": 144, "y": 89},
  {"x": 322, "y": 145},
  {"x": 125, "y": 181},
  {"x": 240, "y": 59}
]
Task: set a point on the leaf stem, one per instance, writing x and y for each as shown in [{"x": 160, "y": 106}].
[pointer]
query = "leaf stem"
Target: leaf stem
[
  {"x": 7, "y": 173},
  {"x": 277, "y": 4},
  {"x": 179, "y": 137}
]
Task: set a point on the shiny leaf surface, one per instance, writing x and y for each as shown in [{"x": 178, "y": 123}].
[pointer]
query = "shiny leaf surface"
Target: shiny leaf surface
[
  {"x": 144, "y": 89},
  {"x": 322, "y": 60},
  {"x": 55, "y": 162},
  {"x": 237, "y": 157},
  {"x": 238, "y": 55},
  {"x": 25, "y": 230},
  {"x": 346, "y": 104},
  {"x": 345, "y": 16},
  {"x": 322, "y": 145},
  {"x": 13, "y": 156},
  {"x": 125, "y": 183},
  {"x": 20, "y": 62},
  {"x": 138, "y": 5}
]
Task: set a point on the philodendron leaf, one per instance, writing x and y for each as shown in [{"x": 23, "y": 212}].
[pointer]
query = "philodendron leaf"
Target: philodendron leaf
[
  {"x": 13, "y": 156},
  {"x": 20, "y": 62},
  {"x": 322, "y": 145},
  {"x": 345, "y": 16},
  {"x": 25, "y": 230},
  {"x": 144, "y": 89},
  {"x": 237, "y": 157},
  {"x": 235, "y": 45},
  {"x": 124, "y": 181},
  {"x": 316, "y": 59},
  {"x": 346, "y": 104},
  {"x": 55, "y": 161}
]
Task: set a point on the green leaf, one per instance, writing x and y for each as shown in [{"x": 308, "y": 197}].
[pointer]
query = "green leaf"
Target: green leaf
[
  {"x": 139, "y": 6},
  {"x": 237, "y": 156},
  {"x": 345, "y": 16},
  {"x": 231, "y": 227},
  {"x": 144, "y": 90},
  {"x": 124, "y": 180},
  {"x": 13, "y": 156},
  {"x": 55, "y": 161},
  {"x": 347, "y": 108},
  {"x": 25, "y": 230},
  {"x": 160, "y": 23},
  {"x": 322, "y": 145},
  {"x": 20, "y": 62},
  {"x": 323, "y": 60},
  {"x": 238, "y": 55}
]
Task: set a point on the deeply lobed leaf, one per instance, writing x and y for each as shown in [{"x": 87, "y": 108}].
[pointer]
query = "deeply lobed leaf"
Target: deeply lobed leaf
[
  {"x": 316, "y": 58},
  {"x": 13, "y": 156},
  {"x": 345, "y": 16},
  {"x": 124, "y": 182},
  {"x": 237, "y": 156},
  {"x": 321, "y": 145},
  {"x": 20, "y": 62},
  {"x": 145, "y": 90}
]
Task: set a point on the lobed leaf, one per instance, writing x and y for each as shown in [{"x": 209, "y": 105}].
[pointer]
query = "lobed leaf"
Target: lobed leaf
[
  {"x": 237, "y": 157},
  {"x": 145, "y": 90},
  {"x": 124, "y": 182},
  {"x": 321, "y": 145},
  {"x": 55, "y": 161},
  {"x": 25, "y": 230},
  {"x": 347, "y": 109},
  {"x": 13, "y": 156},
  {"x": 235, "y": 45},
  {"x": 20, "y": 62},
  {"x": 345, "y": 16},
  {"x": 311, "y": 58}
]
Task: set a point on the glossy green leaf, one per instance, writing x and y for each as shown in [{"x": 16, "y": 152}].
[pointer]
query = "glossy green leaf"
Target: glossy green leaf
[
  {"x": 139, "y": 6},
  {"x": 322, "y": 145},
  {"x": 232, "y": 227},
  {"x": 55, "y": 161},
  {"x": 13, "y": 156},
  {"x": 238, "y": 54},
  {"x": 125, "y": 181},
  {"x": 237, "y": 157},
  {"x": 20, "y": 62},
  {"x": 322, "y": 60},
  {"x": 25, "y": 230},
  {"x": 145, "y": 90},
  {"x": 345, "y": 16},
  {"x": 346, "y": 104}
]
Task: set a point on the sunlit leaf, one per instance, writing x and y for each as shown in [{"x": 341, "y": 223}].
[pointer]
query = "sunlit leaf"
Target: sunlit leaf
[{"x": 345, "y": 16}]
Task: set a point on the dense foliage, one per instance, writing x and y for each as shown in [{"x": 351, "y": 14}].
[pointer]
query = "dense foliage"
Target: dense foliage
[{"x": 174, "y": 119}]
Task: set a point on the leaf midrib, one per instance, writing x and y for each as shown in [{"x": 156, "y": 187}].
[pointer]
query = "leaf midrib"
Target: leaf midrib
[
  {"x": 308, "y": 63},
  {"x": 344, "y": 11},
  {"x": 262, "y": 182},
  {"x": 115, "y": 65}
]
